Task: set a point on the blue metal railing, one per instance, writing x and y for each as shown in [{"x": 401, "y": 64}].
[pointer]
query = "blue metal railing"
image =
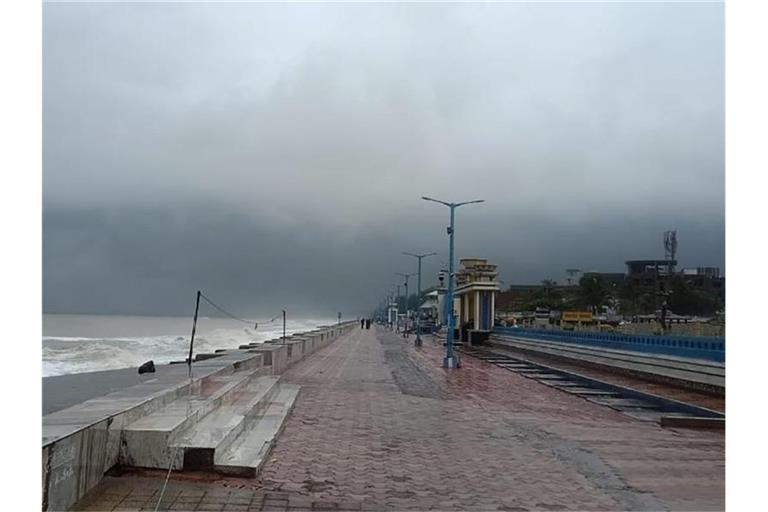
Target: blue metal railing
[{"x": 711, "y": 348}]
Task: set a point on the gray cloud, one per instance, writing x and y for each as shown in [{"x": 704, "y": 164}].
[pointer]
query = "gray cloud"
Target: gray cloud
[{"x": 278, "y": 153}]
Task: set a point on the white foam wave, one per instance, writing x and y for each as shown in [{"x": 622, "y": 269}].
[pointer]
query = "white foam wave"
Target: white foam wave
[{"x": 74, "y": 354}]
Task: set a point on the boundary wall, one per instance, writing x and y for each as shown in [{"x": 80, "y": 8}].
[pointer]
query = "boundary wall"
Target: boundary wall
[{"x": 709, "y": 348}]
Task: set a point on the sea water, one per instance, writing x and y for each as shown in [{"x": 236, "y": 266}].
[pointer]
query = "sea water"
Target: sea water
[{"x": 85, "y": 343}]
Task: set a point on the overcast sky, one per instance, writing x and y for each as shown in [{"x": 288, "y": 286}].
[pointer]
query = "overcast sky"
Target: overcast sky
[{"x": 274, "y": 155}]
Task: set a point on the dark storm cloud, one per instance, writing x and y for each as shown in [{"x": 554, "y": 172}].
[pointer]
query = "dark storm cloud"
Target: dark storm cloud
[{"x": 276, "y": 154}]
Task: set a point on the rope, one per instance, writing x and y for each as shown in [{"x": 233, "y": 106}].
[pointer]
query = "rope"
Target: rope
[
  {"x": 273, "y": 318},
  {"x": 176, "y": 451},
  {"x": 230, "y": 315}
]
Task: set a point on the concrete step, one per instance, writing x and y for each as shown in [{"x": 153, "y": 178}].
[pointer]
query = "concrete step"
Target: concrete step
[
  {"x": 248, "y": 453},
  {"x": 622, "y": 403},
  {"x": 523, "y": 370},
  {"x": 550, "y": 377},
  {"x": 590, "y": 391},
  {"x": 146, "y": 441},
  {"x": 567, "y": 384},
  {"x": 543, "y": 376},
  {"x": 221, "y": 427}
]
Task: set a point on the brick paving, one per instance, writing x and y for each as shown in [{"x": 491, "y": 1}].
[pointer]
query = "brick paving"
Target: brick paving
[{"x": 379, "y": 425}]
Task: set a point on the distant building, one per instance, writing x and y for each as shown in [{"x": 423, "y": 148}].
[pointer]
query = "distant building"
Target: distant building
[
  {"x": 430, "y": 306},
  {"x": 710, "y": 272},
  {"x": 476, "y": 289},
  {"x": 615, "y": 279},
  {"x": 646, "y": 273},
  {"x": 706, "y": 279},
  {"x": 642, "y": 276},
  {"x": 652, "y": 275}
]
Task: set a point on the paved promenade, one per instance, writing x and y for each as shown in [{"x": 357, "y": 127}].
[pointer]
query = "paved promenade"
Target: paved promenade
[{"x": 378, "y": 425}]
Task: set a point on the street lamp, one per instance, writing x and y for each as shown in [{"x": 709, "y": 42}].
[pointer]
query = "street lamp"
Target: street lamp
[
  {"x": 417, "y": 342},
  {"x": 397, "y": 313},
  {"x": 441, "y": 278},
  {"x": 406, "y": 276},
  {"x": 394, "y": 297},
  {"x": 390, "y": 300},
  {"x": 451, "y": 360}
]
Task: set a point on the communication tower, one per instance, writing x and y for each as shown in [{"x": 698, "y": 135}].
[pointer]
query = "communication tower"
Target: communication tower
[{"x": 670, "y": 250}]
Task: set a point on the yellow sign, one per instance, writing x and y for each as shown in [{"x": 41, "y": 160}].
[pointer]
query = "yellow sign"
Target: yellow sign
[{"x": 577, "y": 316}]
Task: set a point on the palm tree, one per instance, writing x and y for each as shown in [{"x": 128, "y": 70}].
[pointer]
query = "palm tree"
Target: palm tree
[{"x": 594, "y": 293}]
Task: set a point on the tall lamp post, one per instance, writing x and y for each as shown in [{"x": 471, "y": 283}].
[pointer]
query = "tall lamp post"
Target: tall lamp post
[
  {"x": 451, "y": 360},
  {"x": 406, "y": 276},
  {"x": 441, "y": 277},
  {"x": 397, "y": 313},
  {"x": 390, "y": 299},
  {"x": 417, "y": 342}
]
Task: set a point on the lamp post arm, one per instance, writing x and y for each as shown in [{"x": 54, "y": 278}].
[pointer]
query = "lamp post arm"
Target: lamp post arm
[
  {"x": 436, "y": 201},
  {"x": 469, "y": 202}
]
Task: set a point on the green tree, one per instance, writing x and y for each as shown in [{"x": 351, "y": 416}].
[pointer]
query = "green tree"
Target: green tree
[
  {"x": 685, "y": 300},
  {"x": 546, "y": 296},
  {"x": 594, "y": 293}
]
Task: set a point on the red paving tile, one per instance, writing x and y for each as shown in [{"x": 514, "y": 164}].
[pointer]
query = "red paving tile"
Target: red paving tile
[{"x": 379, "y": 425}]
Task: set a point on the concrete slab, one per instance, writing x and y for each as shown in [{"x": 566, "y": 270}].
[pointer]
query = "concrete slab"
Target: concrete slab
[
  {"x": 221, "y": 427},
  {"x": 525, "y": 371},
  {"x": 622, "y": 403},
  {"x": 246, "y": 455},
  {"x": 62, "y": 391},
  {"x": 147, "y": 442},
  {"x": 543, "y": 376},
  {"x": 591, "y": 392},
  {"x": 566, "y": 384}
]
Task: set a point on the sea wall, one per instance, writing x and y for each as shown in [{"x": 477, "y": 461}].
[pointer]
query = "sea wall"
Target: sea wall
[{"x": 81, "y": 443}]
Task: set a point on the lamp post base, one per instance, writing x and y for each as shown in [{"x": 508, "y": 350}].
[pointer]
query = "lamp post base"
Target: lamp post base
[{"x": 451, "y": 362}]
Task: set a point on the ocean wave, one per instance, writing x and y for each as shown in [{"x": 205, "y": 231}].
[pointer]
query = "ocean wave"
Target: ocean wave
[{"x": 74, "y": 354}]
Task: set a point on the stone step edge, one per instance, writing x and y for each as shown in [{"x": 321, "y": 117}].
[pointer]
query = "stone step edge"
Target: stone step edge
[
  {"x": 148, "y": 404},
  {"x": 150, "y": 448},
  {"x": 198, "y": 456},
  {"x": 209, "y": 404},
  {"x": 252, "y": 470}
]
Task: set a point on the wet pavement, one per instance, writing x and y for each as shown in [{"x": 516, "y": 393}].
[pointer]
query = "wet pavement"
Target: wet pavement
[{"x": 379, "y": 425}]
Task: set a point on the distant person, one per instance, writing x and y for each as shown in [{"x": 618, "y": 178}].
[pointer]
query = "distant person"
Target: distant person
[
  {"x": 368, "y": 323},
  {"x": 362, "y": 323}
]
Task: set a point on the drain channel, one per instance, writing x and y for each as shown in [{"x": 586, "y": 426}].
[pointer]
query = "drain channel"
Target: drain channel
[{"x": 637, "y": 404}]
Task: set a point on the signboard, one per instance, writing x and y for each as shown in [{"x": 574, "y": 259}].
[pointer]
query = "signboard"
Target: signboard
[{"x": 577, "y": 316}]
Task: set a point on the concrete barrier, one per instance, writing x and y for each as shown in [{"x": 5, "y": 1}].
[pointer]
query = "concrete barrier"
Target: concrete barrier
[
  {"x": 275, "y": 356},
  {"x": 81, "y": 443},
  {"x": 702, "y": 347}
]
